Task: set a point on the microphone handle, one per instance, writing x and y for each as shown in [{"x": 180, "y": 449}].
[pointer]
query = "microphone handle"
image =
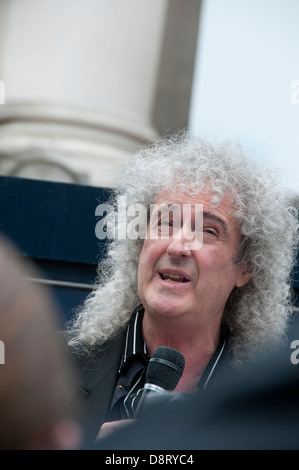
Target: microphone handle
[{"x": 149, "y": 389}]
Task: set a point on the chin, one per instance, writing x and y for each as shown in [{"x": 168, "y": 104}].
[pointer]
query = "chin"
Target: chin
[{"x": 164, "y": 309}]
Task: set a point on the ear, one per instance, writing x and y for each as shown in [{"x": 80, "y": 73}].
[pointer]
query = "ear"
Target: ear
[{"x": 246, "y": 272}]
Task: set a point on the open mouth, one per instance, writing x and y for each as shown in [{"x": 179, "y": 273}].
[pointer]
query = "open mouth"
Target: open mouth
[{"x": 175, "y": 278}]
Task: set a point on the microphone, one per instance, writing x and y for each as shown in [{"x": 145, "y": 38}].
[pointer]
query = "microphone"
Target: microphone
[{"x": 163, "y": 373}]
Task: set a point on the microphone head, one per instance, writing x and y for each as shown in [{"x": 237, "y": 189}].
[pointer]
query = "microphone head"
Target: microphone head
[{"x": 165, "y": 368}]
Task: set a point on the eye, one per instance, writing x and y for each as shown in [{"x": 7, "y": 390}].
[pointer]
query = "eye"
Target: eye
[{"x": 210, "y": 231}]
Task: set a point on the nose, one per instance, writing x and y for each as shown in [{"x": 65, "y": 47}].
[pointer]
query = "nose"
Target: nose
[{"x": 177, "y": 248}]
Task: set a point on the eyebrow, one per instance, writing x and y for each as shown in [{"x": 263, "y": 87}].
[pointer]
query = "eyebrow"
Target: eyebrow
[
  {"x": 206, "y": 214},
  {"x": 218, "y": 219}
]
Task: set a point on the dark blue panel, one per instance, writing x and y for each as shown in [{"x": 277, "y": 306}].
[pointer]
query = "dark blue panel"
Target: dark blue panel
[
  {"x": 68, "y": 300},
  {"x": 53, "y": 224},
  {"x": 50, "y": 220}
]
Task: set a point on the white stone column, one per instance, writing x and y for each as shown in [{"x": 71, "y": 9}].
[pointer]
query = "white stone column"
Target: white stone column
[{"x": 81, "y": 80}]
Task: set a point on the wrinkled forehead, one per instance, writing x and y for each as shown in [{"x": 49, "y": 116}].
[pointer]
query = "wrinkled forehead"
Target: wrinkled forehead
[{"x": 206, "y": 196}]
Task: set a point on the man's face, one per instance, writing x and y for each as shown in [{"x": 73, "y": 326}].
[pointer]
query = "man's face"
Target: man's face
[{"x": 174, "y": 281}]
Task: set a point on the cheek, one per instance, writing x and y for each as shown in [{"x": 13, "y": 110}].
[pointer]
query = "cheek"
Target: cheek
[
  {"x": 146, "y": 261},
  {"x": 151, "y": 252},
  {"x": 145, "y": 257},
  {"x": 212, "y": 262},
  {"x": 145, "y": 269}
]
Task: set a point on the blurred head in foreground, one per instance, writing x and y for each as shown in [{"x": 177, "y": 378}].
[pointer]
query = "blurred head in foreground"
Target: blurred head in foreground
[{"x": 36, "y": 407}]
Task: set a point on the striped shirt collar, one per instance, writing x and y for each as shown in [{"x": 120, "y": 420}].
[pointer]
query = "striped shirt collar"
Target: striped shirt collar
[
  {"x": 135, "y": 345},
  {"x": 211, "y": 372}
]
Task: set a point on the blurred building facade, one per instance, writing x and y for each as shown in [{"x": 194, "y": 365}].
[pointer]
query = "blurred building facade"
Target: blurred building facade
[{"x": 88, "y": 82}]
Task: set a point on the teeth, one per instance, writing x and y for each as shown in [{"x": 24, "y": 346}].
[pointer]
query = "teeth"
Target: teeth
[
  {"x": 171, "y": 277},
  {"x": 175, "y": 276}
]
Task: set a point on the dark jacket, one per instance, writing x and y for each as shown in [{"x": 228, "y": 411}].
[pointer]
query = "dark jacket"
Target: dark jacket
[{"x": 96, "y": 377}]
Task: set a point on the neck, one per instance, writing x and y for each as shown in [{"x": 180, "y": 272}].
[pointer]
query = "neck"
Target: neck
[{"x": 196, "y": 344}]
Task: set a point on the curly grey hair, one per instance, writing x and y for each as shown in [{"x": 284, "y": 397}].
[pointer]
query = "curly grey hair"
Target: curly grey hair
[{"x": 256, "y": 314}]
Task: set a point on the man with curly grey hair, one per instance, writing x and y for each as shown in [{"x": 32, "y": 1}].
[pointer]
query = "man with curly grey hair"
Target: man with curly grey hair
[{"x": 221, "y": 296}]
